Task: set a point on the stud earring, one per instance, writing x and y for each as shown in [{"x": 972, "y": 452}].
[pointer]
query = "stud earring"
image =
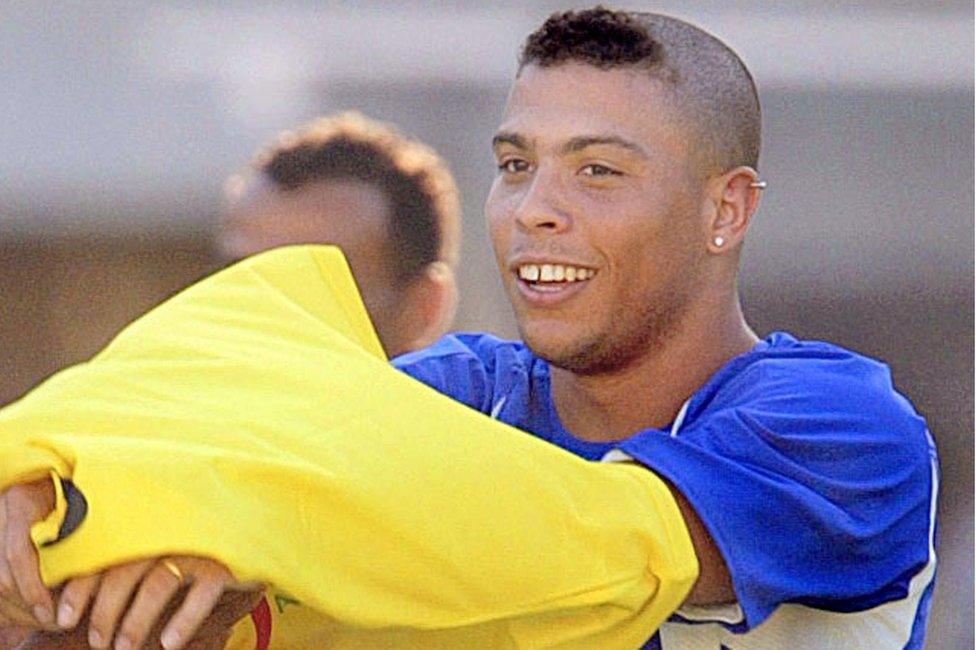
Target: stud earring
[{"x": 719, "y": 241}]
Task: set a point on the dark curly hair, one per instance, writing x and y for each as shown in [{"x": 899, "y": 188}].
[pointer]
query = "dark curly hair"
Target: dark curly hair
[
  {"x": 708, "y": 82},
  {"x": 419, "y": 189}
]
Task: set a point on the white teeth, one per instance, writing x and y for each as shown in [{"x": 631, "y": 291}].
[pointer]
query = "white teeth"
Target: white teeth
[
  {"x": 553, "y": 273},
  {"x": 529, "y": 272}
]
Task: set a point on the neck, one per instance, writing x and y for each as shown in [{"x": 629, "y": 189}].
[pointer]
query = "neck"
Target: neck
[{"x": 649, "y": 390}]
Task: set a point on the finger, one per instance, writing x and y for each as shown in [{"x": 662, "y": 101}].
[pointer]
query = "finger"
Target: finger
[
  {"x": 216, "y": 628},
  {"x": 199, "y": 602},
  {"x": 117, "y": 585},
  {"x": 154, "y": 593},
  {"x": 74, "y": 600},
  {"x": 12, "y": 613},
  {"x": 6, "y": 578},
  {"x": 24, "y": 565}
]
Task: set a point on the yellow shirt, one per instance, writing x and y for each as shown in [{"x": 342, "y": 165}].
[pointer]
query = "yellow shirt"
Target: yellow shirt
[{"x": 253, "y": 418}]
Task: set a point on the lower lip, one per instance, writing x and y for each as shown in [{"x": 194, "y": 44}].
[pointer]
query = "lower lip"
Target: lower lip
[{"x": 553, "y": 294}]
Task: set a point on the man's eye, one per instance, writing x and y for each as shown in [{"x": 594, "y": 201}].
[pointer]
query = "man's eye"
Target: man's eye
[
  {"x": 513, "y": 166},
  {"x": 598, "y": 170}
]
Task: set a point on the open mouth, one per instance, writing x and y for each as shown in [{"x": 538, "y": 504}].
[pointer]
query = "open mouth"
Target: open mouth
[{"x": 553, "y": 277}]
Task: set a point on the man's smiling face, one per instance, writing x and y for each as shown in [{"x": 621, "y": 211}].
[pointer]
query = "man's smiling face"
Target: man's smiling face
[{"x": 594, "y": 214}]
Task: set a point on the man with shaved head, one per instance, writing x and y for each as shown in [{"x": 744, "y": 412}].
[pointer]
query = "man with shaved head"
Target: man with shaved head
[{"x": 627, "y": 177}]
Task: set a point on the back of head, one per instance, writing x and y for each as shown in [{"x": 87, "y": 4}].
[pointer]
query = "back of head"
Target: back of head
[
  {"x": 390, "y": 202},
  {"x": 424, "y": 208},
  {"x": 707, "y": 82}
]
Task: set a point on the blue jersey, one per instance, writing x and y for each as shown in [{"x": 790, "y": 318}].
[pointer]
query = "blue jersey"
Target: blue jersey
[{"x": 815, "y": 478}]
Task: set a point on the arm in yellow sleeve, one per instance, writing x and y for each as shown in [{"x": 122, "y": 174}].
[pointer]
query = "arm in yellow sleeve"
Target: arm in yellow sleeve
[{"x": 253, "y": 419}]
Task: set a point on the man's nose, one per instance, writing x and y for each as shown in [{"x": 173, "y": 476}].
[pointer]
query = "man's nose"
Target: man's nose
[{"x": 541, "y": 207}]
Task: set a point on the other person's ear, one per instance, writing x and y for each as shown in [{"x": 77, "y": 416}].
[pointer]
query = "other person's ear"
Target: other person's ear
[{"x": 429, "y": 305}]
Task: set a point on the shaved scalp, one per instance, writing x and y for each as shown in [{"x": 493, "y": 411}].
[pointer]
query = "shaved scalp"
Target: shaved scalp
[{"x": 709, "y": 84}]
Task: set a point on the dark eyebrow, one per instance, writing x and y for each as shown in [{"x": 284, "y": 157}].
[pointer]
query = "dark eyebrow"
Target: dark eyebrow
[
  {"x": 506, "y": 137},
  {"x": 582, "y": 142}
]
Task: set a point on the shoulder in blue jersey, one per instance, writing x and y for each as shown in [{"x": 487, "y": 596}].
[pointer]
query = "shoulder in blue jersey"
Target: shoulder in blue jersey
[{"x": 815, "y": 477}]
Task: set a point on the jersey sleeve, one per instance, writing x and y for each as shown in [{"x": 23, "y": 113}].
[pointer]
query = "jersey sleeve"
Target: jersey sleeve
[
  {"x": 252, "y": 418},
  {"x": 813, "y": 476}
]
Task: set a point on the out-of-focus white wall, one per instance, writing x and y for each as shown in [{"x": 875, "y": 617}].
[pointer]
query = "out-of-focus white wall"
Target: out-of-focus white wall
[{"x": 123, "y": 119}]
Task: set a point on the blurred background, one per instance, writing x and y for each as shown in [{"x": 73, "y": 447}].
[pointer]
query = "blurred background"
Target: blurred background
[{"x": 120, "y": 122}]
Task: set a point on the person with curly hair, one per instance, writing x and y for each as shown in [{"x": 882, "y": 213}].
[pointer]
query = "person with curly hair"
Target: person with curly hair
[{"x": 389, "y": 202}]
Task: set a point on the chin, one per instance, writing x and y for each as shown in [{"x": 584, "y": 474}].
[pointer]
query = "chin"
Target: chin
[
  {"x": 572, "y": 351},
  {"x": 588, "y": 352}
]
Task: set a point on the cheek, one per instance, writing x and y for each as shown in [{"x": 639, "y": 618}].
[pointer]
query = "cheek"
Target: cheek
[
  {"x": 497, "y": 214},
  {"x": 644, "y": 252},
  {"x": 498, "y": 198}
]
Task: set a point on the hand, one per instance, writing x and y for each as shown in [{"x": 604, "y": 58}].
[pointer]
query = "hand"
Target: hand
[
  {"x": 15, "y": 613},
  {"x": 212, "y": 635},
  {"x": 21, "y": 587},
  {"x": 11, "y": 637},
  {"x": 154, "y": 583}
]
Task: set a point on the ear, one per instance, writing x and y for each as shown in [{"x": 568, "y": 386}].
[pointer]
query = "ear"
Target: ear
[
  {"x": 428, "y": 307},
  {"x": 732, "y": 200}
]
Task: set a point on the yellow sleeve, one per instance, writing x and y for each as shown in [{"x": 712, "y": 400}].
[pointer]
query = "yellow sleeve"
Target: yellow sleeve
[{"x": 253, "y": 418}]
